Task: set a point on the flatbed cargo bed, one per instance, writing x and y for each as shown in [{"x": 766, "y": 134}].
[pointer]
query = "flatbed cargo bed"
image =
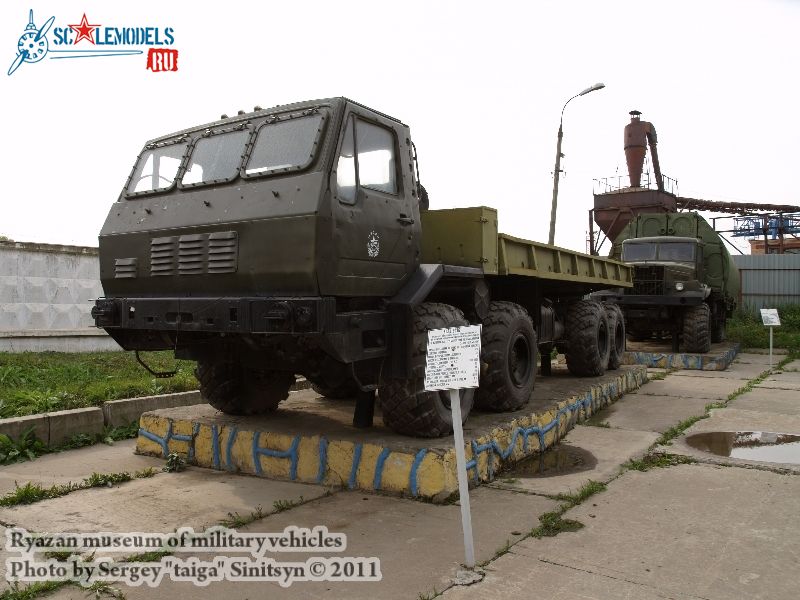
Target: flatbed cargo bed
[{"x": 469, "y": 237}]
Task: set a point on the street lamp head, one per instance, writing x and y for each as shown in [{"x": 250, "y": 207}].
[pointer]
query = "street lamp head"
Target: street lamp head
[{"x": 593, "y": 88}]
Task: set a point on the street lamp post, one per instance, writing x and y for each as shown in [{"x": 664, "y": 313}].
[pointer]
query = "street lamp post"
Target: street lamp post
[{"x": 557, "y": 171}]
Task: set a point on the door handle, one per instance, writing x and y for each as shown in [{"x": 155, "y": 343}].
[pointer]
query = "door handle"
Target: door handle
[{"x": 404, "y": 220}]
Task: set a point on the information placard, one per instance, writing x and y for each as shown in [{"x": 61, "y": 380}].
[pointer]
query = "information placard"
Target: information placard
[
  {"x": 769, "y": 317},
  {"x": 454, "y": 358}
]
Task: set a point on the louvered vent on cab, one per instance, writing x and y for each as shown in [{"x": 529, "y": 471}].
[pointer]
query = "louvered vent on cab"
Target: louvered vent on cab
[
  {"x": 162, "y": 256},
  {"x": 125, "y": 268},
  {"x": 195, "y": 254}
]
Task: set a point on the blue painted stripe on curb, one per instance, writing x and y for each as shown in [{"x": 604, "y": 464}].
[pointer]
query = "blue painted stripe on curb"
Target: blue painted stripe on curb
[
  {"x": 412, "y": 477},
  {"x": 351, "y": 482},
  {"x": 376, "y": 482},
  {"x": 229, "y": 448},
  {"x": 323, "y": 459},
  {"x": 154, "y": 438},
  {"x": 215, "y": 446}
]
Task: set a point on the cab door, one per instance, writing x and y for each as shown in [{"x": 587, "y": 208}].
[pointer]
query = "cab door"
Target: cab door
[{"x": 375, "y": 223}]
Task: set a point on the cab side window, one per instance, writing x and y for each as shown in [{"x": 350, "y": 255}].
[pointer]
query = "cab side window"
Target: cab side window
[
  {"x": 376, "y": 160},
  {"x": 368, "y": 158}
]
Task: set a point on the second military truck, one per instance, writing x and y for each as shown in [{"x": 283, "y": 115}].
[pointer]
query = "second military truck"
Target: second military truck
[{"x": 298, "y": 240}]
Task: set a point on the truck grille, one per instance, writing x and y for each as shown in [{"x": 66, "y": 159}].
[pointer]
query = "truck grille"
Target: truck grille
[
  {"x": 194, "y": 254},
  {"x": 648, "y": 281}
]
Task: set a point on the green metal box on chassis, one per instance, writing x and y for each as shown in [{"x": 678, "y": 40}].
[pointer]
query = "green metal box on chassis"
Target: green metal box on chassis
[
  {"x": 720, "y": 273},
  {"x": 466, "y": 237}
]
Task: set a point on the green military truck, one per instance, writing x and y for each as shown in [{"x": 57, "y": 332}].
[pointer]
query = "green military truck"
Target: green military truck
[
  {"x": 298, "y": 240},
  {"x": 685, "y": 283}
]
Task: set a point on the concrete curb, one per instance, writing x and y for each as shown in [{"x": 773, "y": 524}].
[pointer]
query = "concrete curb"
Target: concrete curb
[
  {"x": 682, "y": 360},
  {"x": 406, "y": 466},
  {"x": 57, "y": 427}
]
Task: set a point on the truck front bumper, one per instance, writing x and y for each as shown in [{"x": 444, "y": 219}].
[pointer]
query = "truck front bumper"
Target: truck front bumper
[{"x": 217, "y": 315}]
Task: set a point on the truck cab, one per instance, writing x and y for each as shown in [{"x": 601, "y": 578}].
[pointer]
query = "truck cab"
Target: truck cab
[{"x": 668, "y": 267}]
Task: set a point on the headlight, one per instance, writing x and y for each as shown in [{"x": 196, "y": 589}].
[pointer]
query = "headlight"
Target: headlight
[{"x": 679, "y": 286}]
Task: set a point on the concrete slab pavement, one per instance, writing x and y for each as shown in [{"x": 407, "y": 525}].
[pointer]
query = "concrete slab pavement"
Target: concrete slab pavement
[
  {"x": 644, "y": 412},
  {"x": 691, "y": 531},
  {"x": 731, "y": 419},
  {"x": 585, "y": 454},
  {"x": 72, "y": 466},
  {"x": 711, "y": 388},
  {"x": 769, "y": 400},
  {"x": 420, "y": 544},
  {"x": 192, "y": 498}
]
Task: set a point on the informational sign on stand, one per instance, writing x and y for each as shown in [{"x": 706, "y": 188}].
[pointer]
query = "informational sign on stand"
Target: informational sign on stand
[
  {"x": 770, "y": 319},
  {"x": 453, "y": 363}
]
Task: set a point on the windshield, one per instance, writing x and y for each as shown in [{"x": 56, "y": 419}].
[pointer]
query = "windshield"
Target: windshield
[
  {"x": 157, "y": 168},
  {"x": 638, "y": 252},
  {"x": 676, "y": 251},
  {"x": 664, "y": 251},
  {"x": 216, "y": 158},
  {"x": 283, "y": 145}
]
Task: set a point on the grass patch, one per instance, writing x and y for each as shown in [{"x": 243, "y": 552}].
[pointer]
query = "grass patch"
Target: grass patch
[
  {"x": 590, "y": 488},
  {"x": 657, "y": 460},
  {"x": 26, "y": 447},
  {"x": 175, "y": 463},
  {"x": 37, "y": 382},
  {"x": 746, "y": 328},
  {"x": 30, "y": 493},
  {"x": 235, "y": 520},
  {"x": 15, "y": 591},
  {"x": 552, "y": 523}
]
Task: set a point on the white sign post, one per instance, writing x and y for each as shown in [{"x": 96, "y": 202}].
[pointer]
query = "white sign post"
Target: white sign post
[
  {"x": 770, "y": 318},
  {"x": 453, "y": 363}
]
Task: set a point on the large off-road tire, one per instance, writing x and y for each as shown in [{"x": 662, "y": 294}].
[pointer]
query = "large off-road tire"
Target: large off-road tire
[
  {"x": 718, "y": 331},
  {"x": 238, "y": 390},
  {"x": 616, "y": 325},
  {"x": 508, "y": 353},
  {"x": 588, "y": 337},
  {"x": 342, "y": 391},
  {"x": 407, "y": 408},
  {"x": 696, "y": 329}
]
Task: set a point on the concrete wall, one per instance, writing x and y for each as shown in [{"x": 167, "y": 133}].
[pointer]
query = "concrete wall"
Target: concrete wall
[
  {"x": 46, "y": 295},
  {"x": 768, "y": 280}
]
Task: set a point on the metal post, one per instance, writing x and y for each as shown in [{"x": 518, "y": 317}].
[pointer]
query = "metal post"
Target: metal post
[
  {"x": 770, "y": 347},
  {"x": 463, "y": 487},
  {"x": 556, "y": 174}
]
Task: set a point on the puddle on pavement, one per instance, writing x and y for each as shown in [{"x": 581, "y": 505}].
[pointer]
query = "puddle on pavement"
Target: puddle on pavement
[
  {"x": 763, "y": 446},
  {"x": 559, "y": 460}
]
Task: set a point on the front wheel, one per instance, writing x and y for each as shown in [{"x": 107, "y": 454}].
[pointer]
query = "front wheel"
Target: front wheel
[
  {"x": 696, "y": 324},
  {"x": 238, "y": 390},
  {"x": 407, "y": 407}
]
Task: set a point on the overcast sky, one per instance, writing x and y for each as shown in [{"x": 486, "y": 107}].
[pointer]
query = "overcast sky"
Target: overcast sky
[{"x": 481, "y": 84}]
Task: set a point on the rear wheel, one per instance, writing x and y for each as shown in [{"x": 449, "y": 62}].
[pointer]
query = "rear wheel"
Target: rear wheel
[
  {"x": 508, "y": 349},
  {"x": 238, "y": 390},
  {"x": 406, "y": 406},
  {"x": 616, "y": 325},
  {"x": 696, "y": 325},
  {"x": 588, "y": 338}
]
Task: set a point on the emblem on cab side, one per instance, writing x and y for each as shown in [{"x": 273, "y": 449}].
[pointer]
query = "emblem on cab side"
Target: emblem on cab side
[{"x": 373, "y": 244}]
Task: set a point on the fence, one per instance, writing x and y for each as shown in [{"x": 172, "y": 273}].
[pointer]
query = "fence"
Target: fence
[
  {"x": 768, "y": 280},
  {"x": 46, "y": 295}
]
